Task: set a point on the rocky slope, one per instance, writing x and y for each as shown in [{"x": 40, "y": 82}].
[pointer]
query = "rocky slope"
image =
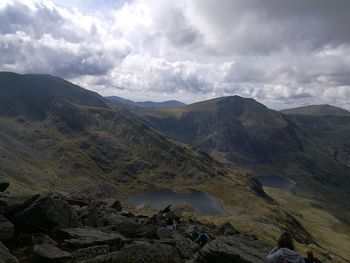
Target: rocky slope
[{"x": 53, "y": 228}]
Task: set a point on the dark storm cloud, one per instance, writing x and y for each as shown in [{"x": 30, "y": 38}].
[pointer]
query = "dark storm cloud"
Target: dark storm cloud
[{"x": 262, "y": 27}]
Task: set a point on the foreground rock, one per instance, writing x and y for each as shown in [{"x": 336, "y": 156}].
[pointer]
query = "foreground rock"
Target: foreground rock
[
  {"x": 6, "y": 228},
  {"x": 117, "y": 205},
  {"x": 53, "y": 228},
  {"x": 4, "y": 185},
  {"x": 90, "y": 252},
  {"x": 130, "y": 228},
  {"x": 6, "y": 256},
  {"x": 86, "y": 237},
  {"x": 44, "y": 214},
  {"x": 141, "y": 252},
  {"x": 229, "y": 249},
  {"x": 50, "y": 253}
]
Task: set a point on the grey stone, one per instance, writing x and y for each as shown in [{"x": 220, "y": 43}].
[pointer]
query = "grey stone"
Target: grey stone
[
  {"x": 233, "y": 249},
  {"x": 226, "y": 229},
  {"x": 129, "y": 228},
  {"x": 6, "y": 228},
  {"x": 90, "y": 252},
  {"x": 141, "y": 252},
  {"x": 117, "y": 205},
  {"x": 6, "y": 256},
  {"x": 85, "y": 237},
  {"x": 4, "y": 185},
  {"x": 44, "y": 214},
  {"x": 49, "y": 253},
  {"x": 41, "y": 238},
  {"x": 162, "y": 232}
]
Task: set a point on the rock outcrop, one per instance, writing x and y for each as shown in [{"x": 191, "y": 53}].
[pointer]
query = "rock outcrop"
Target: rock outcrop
[
  {"x": 53, "y": 228},
  {"x": 6, "y": 228},
  {"x": 6, "y": 256},
  {"x": 227, "y": 249},
  {"x": 44, "y": 214}
]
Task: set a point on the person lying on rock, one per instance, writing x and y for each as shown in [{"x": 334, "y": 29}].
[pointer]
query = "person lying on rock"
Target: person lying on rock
[
  {"x": 284, "y": 252},
  {"x": 311, "y": 258}
]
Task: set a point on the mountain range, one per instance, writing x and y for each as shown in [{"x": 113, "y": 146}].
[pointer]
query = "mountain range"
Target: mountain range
[
  {"x": 312, "y": 148},
  {"x": 146, "y": 104},
  {"x": 58, "y": 137}
]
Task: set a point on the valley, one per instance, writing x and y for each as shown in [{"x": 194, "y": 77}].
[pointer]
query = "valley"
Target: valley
[{"x": 56, "y": 137}]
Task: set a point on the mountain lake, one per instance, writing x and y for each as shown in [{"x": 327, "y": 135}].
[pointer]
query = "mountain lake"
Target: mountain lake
[
  {"x": 202, "y": 202},
  {"x": 272, "y": 181}
]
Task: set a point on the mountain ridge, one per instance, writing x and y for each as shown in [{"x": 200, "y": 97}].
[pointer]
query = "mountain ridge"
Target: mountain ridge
[
  {"x": 146, "y": 104},
  {"x": 317, "y": 110}
]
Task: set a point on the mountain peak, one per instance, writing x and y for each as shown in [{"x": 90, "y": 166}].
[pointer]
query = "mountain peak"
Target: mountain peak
[{"x": 31, "y": 94}]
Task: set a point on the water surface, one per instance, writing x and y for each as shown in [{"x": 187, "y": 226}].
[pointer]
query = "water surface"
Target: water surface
[
  {"x": 279, "y": 182},
  {"x": 203, "y": 203}
]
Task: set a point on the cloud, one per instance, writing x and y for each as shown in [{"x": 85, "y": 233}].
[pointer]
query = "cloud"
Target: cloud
[
  {"x": 46, "y": 39},
  {"x": 281, "y": 53}
]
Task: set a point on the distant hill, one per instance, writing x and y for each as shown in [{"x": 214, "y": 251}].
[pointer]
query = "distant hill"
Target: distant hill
[
  {"x": 146, "y": 104},
  {"x": 317, "y": 110}
]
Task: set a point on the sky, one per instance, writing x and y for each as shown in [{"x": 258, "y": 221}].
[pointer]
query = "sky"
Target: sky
[{"x": 281, "y": 53}]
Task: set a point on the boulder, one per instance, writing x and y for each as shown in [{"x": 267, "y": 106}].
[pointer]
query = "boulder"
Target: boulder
[
  {"x": 6, "y": 256},
  {"x": 44, "y": 214},
  {"x": 233, "y": 249},
  {"x": 90, "y": 252},
  {"x": 4, "y": 207},
  {"x": 129, "y": 228},
  {"x": 162, "y": 233},
  {"x": 41, "y": 238},
  {"x": 86, "y": 237},
  {"x": 49, "y": 253},
  {"x": 185, "y": 246},
  {"x": 4, "y": 185},
  {"x": 19, "y": 205},
  {"x": 141, "y": 252},
  {"x": 116, "y": 219},
  {"x": 92, "y": 216},
  {"x": 226, "y": 229},
  {"x": 146, "y": 252},
  {"x": 6, "y": 228},
  {"x": 117, "y": 205}
]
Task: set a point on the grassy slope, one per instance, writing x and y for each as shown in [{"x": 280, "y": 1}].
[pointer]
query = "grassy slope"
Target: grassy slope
[{"x": 332, "y": 234}]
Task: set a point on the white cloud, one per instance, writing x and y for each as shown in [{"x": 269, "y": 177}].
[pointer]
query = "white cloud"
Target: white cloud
[{"x": 279, "y": 53}]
